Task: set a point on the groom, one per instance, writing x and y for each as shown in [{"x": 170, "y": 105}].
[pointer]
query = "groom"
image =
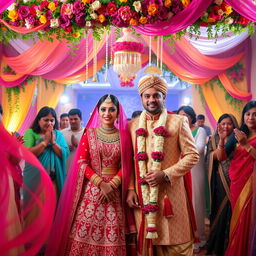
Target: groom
[{"x": 157, "y": 189}]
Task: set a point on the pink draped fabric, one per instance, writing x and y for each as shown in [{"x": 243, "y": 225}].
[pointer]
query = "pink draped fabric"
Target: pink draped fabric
[
  {"x": 178, "y": 22},
  {"x": 4, "y": 4},
  {"x": 246, "y": 8},
  {"x": 63, "y": 221},
  {"x": 35, "y": 234}
]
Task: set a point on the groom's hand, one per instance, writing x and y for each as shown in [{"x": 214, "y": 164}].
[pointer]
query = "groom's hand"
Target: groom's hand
[
  {"x": 132, "y": 199},
  {"x": 154, "y": 178}
]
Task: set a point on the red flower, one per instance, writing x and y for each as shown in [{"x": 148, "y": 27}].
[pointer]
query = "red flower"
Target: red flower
[
  {"x": 111, "y": 8},
  {"x": 141, "y": 132},
  {"x": 160, "y": 131},
  {"x": 141, "y": 156},
  {"x": 158, "y": 156},
  {"x": 142, "y": 182},
  {"x": 150, "y": 208},
  {"x": 44, "y": 4}
]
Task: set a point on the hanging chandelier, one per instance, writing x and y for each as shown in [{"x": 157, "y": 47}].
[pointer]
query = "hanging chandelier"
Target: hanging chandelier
[{"x": 127, "y": 57}]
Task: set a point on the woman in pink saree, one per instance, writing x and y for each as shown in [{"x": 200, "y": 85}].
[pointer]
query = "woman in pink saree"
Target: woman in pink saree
[
  {"x": 241, "y": 189},
  {"x": 92, "y": 218}
]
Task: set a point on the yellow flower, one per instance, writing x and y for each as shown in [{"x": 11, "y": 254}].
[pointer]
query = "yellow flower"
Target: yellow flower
[
  {"x": 153, "y": 9},
  {"x": 185, "y": 3},
  {"x": 168, "y": 3},
  {"x": 101, "y": 18},
  {"x": 13, "y": 15},
  {"x": 123, "y": 1},
  {"x": 143, "y": 20},
  {"x": 133, "y": 22},
  {"x": 43, "y": 19},
  {"x": 228, "y": 9},
  {"x": 51, "y": 6}
]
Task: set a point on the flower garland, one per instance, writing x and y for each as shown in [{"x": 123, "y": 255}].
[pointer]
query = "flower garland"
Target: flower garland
[{"x": 150, "y": 194}]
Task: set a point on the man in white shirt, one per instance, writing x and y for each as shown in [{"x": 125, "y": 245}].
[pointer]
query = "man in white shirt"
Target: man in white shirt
[{"x": 73, "y": 133}]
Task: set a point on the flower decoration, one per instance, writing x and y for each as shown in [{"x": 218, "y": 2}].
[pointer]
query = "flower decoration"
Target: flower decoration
[
  {"x": 150, "y": 194},
  {"x": 160, "y": 131},
  {"x": 222, "y": 16},
  {"x": 75, "y": 17}
]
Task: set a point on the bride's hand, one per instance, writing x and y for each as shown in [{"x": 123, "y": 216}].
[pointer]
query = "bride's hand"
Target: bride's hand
[{"x": 107, "y": 193}]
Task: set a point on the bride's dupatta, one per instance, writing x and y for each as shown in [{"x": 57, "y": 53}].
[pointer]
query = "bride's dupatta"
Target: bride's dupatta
[
  {"x": 13, "y": 239},
  {"x": 73, "y": 186}
]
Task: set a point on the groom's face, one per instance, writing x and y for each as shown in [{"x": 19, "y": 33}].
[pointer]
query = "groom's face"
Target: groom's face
[{"x": 153, "y": 100}]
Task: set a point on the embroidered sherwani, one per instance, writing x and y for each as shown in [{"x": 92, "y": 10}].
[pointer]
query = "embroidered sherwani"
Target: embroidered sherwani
[{"x": 179, "y": 142}]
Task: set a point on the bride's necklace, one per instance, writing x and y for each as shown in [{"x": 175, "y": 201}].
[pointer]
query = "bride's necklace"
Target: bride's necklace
[{"x": 108, "y": 135}]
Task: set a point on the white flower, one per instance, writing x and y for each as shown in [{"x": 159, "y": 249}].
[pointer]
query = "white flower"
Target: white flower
[
  {"x": 218, "y": 2},
  {"x": 229, "y": 21},
  {"x": 38, "y": 13},
  {"x": 96, "y": 5},
  {"x": 88, "y": 23},
  {"x": 54, "y": 23},
  {"x": 26, "y": 1},
  {"x": 28, "y": 25},
  {"x": 63, "y": 1},
  {"x": 137, "y": 6},
  {"x": 220, "y": 12},
  {"x": 11, "y": 7},
  {"x": 94, "y": 15}
]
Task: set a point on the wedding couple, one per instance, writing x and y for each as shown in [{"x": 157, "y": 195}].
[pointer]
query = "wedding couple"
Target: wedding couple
[{"x": 122, "y": 171}]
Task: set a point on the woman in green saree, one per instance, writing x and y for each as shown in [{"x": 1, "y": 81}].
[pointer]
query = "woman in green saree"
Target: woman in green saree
[{"x": 48, "y": 144}]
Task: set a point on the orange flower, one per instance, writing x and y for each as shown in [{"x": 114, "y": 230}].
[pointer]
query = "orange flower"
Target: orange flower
[
  {"x": 51, "y": 6},
  {"x": 101, "y": 18},
  {"x": 13, "y": 15},
  {"x": 4, "y": 28},
  {"x": 123, "y": 1},
  {"x": 227, "y": 9},
  {"x": 143, "y": 20},
  {"x": 43, "y": 19},
  {"x": 168, "y": 3},
  {"x": 185, "y": 3},
  {"x": 76, "y": 35},
  {"x": 211, "y": 20},
  {"x": 133, "y": 22},
  {"x": 153, "y": 9},
  {"x": 86, "y": 1}
]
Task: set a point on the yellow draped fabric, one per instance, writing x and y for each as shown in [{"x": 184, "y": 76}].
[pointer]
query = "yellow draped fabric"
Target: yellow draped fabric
[
  {"x": 48, "y": 93},
  {"x": 217, "y": 102},
  {"x": 15, "y": 111}
]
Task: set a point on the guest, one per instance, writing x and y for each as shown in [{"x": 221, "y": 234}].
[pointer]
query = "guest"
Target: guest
[
  {"x": 198, "y": 175},
  {"x": 136, "y": 113},
  {"x": 64, "y": 121},
  {"x": 241, "y": 177},
  {"x": 73, "y": 133},
  {"x": 200, "y": 120},
  {"x": 96, "y": 188},
  {"x": 47, "y": 143},
  {"x": 219, "y": 184}
]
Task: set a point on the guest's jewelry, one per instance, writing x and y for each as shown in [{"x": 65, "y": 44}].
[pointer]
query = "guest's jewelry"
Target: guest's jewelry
[{"x": 108, "y": 99}]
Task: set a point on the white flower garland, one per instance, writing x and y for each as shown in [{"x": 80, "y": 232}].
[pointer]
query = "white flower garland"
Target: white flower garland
[{"x": 150, "y": 194}]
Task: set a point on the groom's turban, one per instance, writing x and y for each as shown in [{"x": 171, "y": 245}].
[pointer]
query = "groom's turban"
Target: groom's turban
[{"x": 152, "y": 81}]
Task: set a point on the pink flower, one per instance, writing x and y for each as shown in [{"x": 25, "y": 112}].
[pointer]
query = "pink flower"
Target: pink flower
[
  {"x": 150, "y": 229},
  {"x": 150, "y": 208},
  {"x": 125, "y": 13},
  {"x": 67, "y": 10},
  {"x": 141, "y": 132},
  {"x": 141, "y": 156},
  {"x": 160, "y": 131},
  {"x": 158, "y": 156},
  {"x": 142, "y": 182},
  {"x": 111, "y": 8}
]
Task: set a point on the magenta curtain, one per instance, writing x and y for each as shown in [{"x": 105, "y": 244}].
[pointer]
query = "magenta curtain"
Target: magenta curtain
[
  {"x": 246, "y": 8},
  {"x": 4, "y": 4},
  {"x": 178, "y": 22}
]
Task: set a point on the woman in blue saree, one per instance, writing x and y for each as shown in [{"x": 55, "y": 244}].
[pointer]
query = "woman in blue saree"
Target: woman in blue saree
[{"x": 48, "y": 144}]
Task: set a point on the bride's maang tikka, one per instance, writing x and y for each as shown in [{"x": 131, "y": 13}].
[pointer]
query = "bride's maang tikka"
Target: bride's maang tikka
[{"x": 108, "y": 99}]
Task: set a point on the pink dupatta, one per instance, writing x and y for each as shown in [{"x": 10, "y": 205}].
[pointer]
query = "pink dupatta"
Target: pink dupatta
[
  {"x": 71, "y": 192},
  {"x": 27, "y": 241}
]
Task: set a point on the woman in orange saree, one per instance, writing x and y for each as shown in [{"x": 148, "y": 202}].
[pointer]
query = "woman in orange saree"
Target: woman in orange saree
[{"x": 241, "y": 188}]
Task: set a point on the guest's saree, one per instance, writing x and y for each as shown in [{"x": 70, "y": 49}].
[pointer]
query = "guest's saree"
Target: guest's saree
[{"x": 241, "y": 197}]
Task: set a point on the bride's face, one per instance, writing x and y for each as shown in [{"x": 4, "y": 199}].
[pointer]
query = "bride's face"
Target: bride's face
[{"x": 108, "y": 114}]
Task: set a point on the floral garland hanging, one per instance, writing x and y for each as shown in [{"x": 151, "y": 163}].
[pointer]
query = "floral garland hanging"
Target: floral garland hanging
[{"x": 150, "y": 194}]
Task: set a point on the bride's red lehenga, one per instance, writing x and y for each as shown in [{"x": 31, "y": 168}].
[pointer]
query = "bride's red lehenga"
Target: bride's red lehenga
[{"x": 98, "y": 229}]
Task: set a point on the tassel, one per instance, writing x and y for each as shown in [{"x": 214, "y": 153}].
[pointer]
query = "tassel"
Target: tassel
[{"x": 168, "y": 212}]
